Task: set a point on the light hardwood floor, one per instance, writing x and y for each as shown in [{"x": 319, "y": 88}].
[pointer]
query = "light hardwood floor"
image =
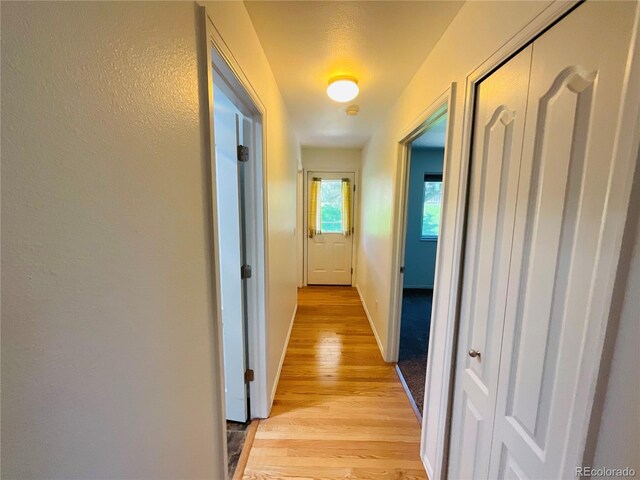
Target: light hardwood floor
[{"x": 340, "y": 410}]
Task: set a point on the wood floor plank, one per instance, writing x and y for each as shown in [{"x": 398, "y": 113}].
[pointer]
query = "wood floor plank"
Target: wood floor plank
[{"x": 340, "y": 411}]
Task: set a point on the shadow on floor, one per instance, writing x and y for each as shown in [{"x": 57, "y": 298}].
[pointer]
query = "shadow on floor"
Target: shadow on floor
[
  {"x": 236, "y": 436},
  {"x": 414, "y": 340}
]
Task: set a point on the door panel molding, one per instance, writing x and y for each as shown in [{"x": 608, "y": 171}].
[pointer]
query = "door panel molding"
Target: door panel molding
[
  {"x": 555, "y": 310},
  {"x": 566, "y": 239},
  {"x": 493, "y": 190},
  {"x": 332, "y": 255}
]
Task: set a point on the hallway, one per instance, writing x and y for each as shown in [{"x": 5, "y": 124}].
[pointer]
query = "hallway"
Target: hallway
[{"x": 340, "y": 410}]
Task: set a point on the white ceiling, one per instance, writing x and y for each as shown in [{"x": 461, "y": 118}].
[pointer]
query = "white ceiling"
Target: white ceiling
[
  {"x": 380, "y": 43},
  {"x": 434, "y": 137}
]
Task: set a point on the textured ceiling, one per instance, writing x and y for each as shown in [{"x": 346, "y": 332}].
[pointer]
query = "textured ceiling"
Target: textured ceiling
[{"x": 381, "y": 43}]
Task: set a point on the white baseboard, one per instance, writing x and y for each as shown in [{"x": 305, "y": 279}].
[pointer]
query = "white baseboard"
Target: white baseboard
[
  {"x": 284, "y": 354},
  {"x": 373, "y": 327},
  {"x": 427, "y": 466}
]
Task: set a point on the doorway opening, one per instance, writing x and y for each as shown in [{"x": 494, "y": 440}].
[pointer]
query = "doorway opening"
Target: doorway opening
[
  {"x": 329, "y": 219},
  {"x": 238, "y": 199},
  {"x": 422, "y": 211}
]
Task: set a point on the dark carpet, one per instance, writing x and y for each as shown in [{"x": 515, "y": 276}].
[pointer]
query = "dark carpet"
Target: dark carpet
[
  {"x": 414, "y": 340},
  {"x": 236, "y": 435}
]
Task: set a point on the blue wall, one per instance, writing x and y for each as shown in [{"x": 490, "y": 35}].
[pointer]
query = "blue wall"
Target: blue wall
[{"x": 420, "y": 255}]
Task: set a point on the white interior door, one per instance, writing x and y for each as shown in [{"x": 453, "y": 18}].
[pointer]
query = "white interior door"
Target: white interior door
[
  {"x": 546, "y": 372},
  {"x": 534, "y": 248},
  {"x": 227, "y": 123},
  {"x": 500, "y": 121},
  {"x": 329, "y": 252}
]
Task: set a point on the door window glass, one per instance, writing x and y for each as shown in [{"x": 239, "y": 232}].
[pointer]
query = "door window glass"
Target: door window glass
[{"x": 331, "y": 206}]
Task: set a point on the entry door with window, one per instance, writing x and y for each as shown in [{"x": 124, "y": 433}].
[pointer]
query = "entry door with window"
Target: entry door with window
[{"x": 329, "y": 228}]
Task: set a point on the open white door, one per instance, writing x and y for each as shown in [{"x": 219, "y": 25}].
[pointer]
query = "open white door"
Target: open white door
[
  {"x": 329, "y": 247},
  {"x": 227, "y": 122}
]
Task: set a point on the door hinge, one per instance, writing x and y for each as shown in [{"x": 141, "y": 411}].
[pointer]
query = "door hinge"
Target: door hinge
[
  {"x": 243, "y": 153},
  {"x": 245, "y": 272},
  {"x": 354, "y": 187},
  {"x": 248, "y": 375},
  {"x": 351, "y": 270},
  {"x": 402, "y": 269}
]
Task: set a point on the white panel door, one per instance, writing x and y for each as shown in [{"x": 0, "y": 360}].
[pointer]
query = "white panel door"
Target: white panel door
[
  {"x": 577, "y": 75},
  {"x": 499, "y": 131},
  {"x": 329, "y": 252},
  {"x": 229, "y": 235}
]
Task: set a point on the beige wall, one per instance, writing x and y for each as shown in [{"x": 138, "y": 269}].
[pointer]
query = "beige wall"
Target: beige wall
[
  {"x": 108, "y": 355},
  {"x": 234, "y": 25},
  {"x": 107, "y": 347},
  {"x": 478, "y": 30},
  {"x": 331, "y": 159}
]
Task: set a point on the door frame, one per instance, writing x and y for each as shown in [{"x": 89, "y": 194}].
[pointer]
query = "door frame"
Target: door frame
[
  {"x": 214, "y": 51},
  {"x": 443, "y": 105},
  {"x": 305, "y": 215},
  {"x": 625, "y": 154},
  {"x": 449, "y": 267}
]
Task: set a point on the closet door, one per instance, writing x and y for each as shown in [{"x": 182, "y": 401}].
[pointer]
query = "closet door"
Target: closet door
[
  {"x": 546, "y": 373},
  {"x": 497, "y": 145}
]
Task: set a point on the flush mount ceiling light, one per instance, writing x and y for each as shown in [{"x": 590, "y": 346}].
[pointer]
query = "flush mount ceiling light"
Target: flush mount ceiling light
[{"x": 343, "y": 88}]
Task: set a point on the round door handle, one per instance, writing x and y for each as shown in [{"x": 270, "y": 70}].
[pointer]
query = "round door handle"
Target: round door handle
[{"x": 474, "y": 353}]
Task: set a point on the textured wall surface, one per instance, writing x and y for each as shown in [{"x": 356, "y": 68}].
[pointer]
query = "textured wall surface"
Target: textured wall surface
[{"x": 108, "y": 357}]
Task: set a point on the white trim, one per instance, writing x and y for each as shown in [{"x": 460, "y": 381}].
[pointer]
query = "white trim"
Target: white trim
[
  {"x": 452, "y": 268},
  {"x": 628, "y": 143},
  {"x": 282, "y": 357},
  {"x": 305, "y": 227},
  {"x": 305, "y": 214},
  {"x": 301, "y": 237},
  {"x": 612, "y": 267},
  {"x": 445, "y": 403},
  {"x": 407, "y": 391},
  {"x": 443, "y": 104},
  {"x": 258, "y": 251},
  {"x": 373, "y": 327},
  {"x": 257, "y": 244},
  {"x": 206, "y": 75}
]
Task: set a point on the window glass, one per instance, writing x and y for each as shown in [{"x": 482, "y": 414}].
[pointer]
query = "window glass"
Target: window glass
[
  {"x": 431, "y": 206},
  {"x": 331, "y": 206}
]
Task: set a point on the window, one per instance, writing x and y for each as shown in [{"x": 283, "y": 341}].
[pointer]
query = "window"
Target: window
[
  {"x": 431, "y": 206},
  {"x": 331, "y": 206}
]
